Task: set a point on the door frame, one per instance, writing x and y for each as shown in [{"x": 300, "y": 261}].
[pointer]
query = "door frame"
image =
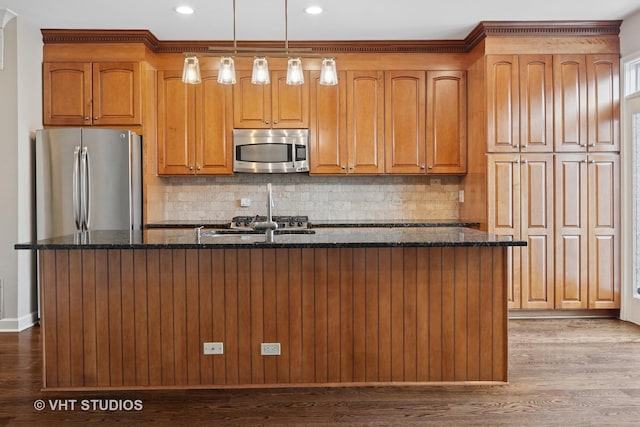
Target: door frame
[{"x": 630, "y": 304}]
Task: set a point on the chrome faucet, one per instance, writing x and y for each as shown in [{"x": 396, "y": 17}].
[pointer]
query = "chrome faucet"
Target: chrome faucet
[{"x": 269, "y": 226}]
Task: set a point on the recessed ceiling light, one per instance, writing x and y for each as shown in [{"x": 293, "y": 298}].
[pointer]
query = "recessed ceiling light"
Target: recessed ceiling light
[
  {"x": 184, "y": 10},
  {"x": 313, "y": 10}
]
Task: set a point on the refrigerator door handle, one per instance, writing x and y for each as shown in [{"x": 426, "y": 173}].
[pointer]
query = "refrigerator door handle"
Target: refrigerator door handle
[
  {"x": 76, "y": 189},
  {"x": 85, "y": 188}
]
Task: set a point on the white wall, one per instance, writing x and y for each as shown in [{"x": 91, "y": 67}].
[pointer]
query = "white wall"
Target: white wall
[
  {"x": 629, "y": 47},
  {"x": 20, "y": 115}
]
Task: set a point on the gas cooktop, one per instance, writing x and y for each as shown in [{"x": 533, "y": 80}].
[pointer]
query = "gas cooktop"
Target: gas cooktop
[{"x": 284, "y": 222}]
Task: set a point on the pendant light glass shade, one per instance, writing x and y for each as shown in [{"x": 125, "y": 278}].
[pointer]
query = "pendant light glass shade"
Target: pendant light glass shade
[
  {"x": 295, "y": 76},
  {"x": 191, "y": 70},
  {"x": 260, "y": 74},
  {"x": 328, "y": 72},
  {"x": 227, "y": 71}
]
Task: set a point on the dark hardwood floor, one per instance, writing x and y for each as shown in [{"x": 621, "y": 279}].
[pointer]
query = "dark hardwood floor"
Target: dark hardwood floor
[{"x": 574, "y": 372}]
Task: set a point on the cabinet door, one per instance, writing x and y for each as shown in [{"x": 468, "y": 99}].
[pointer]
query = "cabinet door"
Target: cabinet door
[
  {"x": 446, "y": 122},
  {"x": 536, "y": 223},
  {"x": 116, "y": 93},
  {"x": 176, "y": 141},
  {"x": 213, "y": 126},
  {"x": 327, "y": 126},
  {"x": 404, "y": 139},
  {"x": 603, "y": 102},
  {"x": 251, "y": 103},
  {"x": 67, "y": 93},
  {"x": 536, "y": 103},
  {"x": 503, "y": 198},
  {"x": 289, "y": 103},
  {"x": 571, "y": 231},
  {"x": 365, "y": 122},
  {"x": 503, "y": 132},
  {"x": 570, "y": 103},
  {"x": 604, "y": 230}
]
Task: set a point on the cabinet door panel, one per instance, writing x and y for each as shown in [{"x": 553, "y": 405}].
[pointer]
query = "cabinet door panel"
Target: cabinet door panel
[
  {"x": 502, "y": 104},
  {"x": 327, "y": 126},
  {"x": 604, "y": 102},
  {"x": 251, "y": 103},
  {"x": 67, "y": 93},
  {"x": 604, "y": 231},
  {"x": 116, "y": 93},
  {"x": 536, "y": 194},
  {"x": 570, "y": 102},
  {"x": 446, "y": 122},
  {"x": 175, "y": 132},
  {"x": 289, "y": 103},
  {"x": 571, "y": 231},
  {"x": 404, "y": 122},
  {"x": 365, "y": 121},
  {"x": 503, "y": 194},
  {"x": 213, "y": 127},
  {"x": 536, "y": 103}
]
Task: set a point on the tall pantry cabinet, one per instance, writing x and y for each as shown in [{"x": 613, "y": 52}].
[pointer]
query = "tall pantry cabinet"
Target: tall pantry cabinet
[{"x": 553, "y": 176}]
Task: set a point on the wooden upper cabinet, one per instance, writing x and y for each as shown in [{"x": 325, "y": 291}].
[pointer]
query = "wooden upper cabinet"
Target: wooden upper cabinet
[
  {"x": 404, "y": 140},
  {"x": 276, "y": 105},
  {"x": 83, "y": 94},
  {"x": 327, "y": 126},
  {"x": 603, "y": 96},
  {"x": 536, "y": 103},
  {"x": 503, "y": 133},
  {"x": 365, "y": 122},
  {"x": 194, "y": 126},
  {"x": 570, "y": 102},
  {"x": 446, "y": 122}
]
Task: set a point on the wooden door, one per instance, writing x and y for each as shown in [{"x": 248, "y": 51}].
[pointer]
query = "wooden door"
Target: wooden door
[
  {"x": 570, "y": 103},
  {"x": 503, "y": 127},
  {"x": 503, "y": 199},
  {"x": 536, "y": 223},
  {"x": 213, "y": 126},
  {"x": 327, "y": 126},
  {"x": 536, "y": 103},
  {"x": 116, "y": 94},
  {"x": 604, "y": 230},
  {"x": 365, "y": 122},
  {"x": 404, "y": 135},
  {"x": 446, "y": 122},
  {"x": 67, "y": 93},
  {"x": 603, "y": 96},
  {"x": 251, "y": 103},
  {"x": 571, "y": 231},
  {"x": 176, "y": 128},
  {"x": 289, "y": 103}
]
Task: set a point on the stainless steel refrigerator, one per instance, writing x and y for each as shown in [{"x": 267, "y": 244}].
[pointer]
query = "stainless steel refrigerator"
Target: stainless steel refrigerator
[{"x": 87, "y": 179}]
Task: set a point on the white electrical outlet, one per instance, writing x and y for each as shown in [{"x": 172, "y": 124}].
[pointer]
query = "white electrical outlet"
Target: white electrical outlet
[
  {"x": 461, "y": 196},
  {"x": 270, "y": 349},
  {"x": 213, "y": 348},
  {"x": 245, "y": 203}
]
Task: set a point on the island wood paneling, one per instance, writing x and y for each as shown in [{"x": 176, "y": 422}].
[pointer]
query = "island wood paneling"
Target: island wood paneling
[{"x": 139, "y": 318}]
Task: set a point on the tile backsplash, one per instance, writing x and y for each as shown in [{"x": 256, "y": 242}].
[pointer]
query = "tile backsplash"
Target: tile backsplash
[{"x": 319, "y": 197}]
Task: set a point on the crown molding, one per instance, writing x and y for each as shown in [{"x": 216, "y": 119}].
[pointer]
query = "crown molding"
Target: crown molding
[{"x": 483, "y": 30}]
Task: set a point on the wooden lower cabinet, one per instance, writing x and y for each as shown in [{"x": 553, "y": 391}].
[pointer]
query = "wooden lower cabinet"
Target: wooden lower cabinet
[
  {"x": 139, "y": 318},
  {"x": 520, "y": 194},
  {"x": 588, "y": 231}
]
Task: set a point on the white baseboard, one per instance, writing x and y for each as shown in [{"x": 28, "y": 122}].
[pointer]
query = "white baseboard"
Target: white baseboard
[{"x": 18, "y": 324}]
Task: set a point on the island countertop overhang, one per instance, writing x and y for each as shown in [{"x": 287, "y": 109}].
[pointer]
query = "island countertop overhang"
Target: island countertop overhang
[{"x": 332, "y": 237}]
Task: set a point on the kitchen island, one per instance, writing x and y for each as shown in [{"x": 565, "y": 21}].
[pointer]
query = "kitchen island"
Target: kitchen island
[{"x": 341, "y": 306}]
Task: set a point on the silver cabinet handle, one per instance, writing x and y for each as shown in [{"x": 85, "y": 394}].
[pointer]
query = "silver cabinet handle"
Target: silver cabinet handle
[
  {"x": 343, "y": 167},
  {"x": 86, "y": 117},
  {"x": 275, "y": 122},
  {"x": 85, "y": 187},
  {"x": 190, "y": 168},
  {"x": 198, "y": 167},
  {"x": 592, "y": 145},
  {"x": 422, "y": 167},
  {"x": 266, "y": 122}
]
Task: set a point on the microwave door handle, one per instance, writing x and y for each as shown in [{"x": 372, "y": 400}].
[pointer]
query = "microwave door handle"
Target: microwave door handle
[{"x": 293, "y": 154}]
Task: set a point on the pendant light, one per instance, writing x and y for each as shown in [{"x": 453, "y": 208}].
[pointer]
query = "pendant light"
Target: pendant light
[
  {"x": 295, "y": 75},
  {"x": 328, "y": 72},
  {"x": 227, "y": 70},
  {"x": 260, "y": 73},
  {"x": 191, "y": 70}
]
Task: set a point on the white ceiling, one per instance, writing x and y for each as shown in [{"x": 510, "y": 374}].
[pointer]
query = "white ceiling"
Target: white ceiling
[{"x": 341, "y": 20}]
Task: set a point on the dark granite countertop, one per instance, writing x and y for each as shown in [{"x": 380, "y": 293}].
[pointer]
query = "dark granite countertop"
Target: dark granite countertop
[
  {"x": 329, "y": 223},
  {"x": 331, "y": 237}
]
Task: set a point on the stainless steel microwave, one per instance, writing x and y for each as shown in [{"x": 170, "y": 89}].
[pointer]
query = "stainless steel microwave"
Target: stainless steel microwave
[{"x": 271, "y": 150}]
